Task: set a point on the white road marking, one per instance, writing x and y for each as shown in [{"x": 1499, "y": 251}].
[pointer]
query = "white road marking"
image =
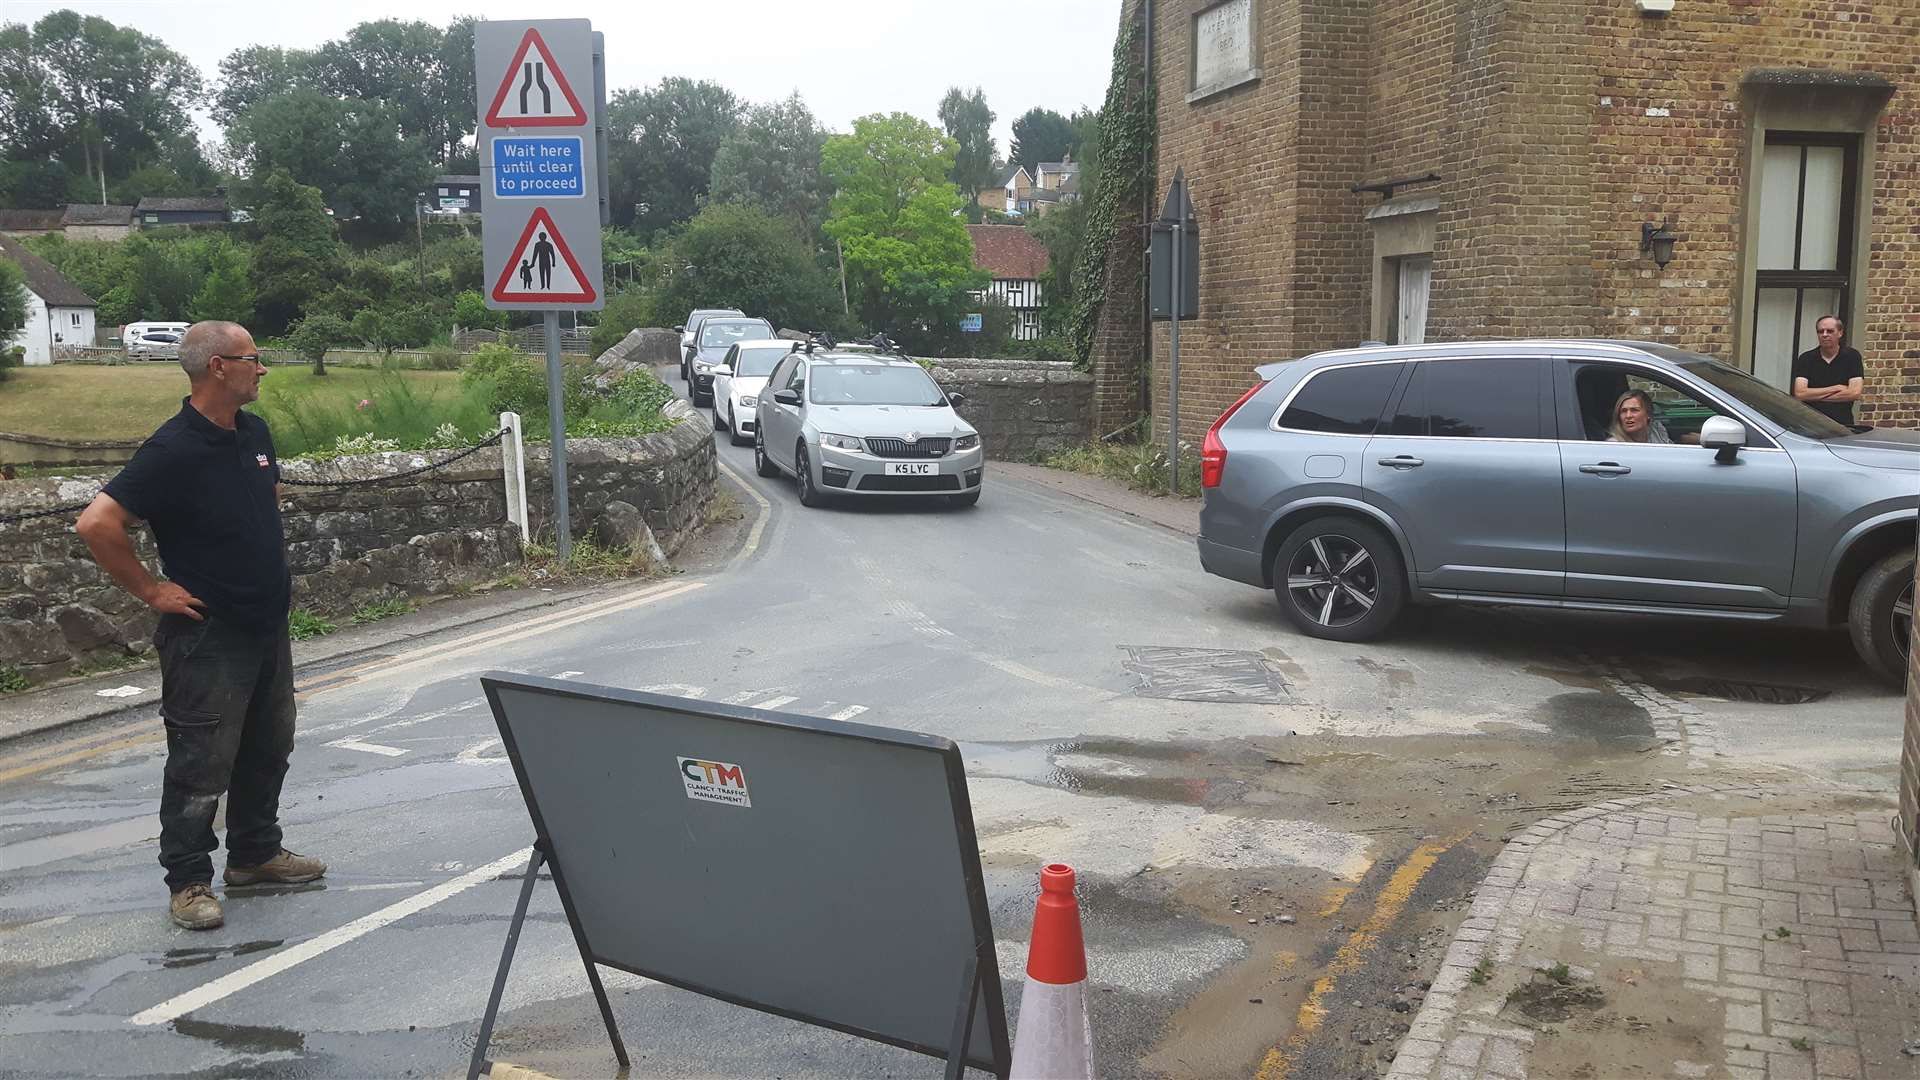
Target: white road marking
[
  {"x": 1021, "y": 671},
  {"x": 848, "y": 713},
  {"x": 776, "y": 702},
  {"x": 759, "y": 526},
  {"x": 371, "y": 748},
  {"x": 233, "y": 982},
  {"x": 674, "y": 689},
  {"x": 471, "y": 755},
  {"x": 569, "y": 674},
  {"x": 119, "y": 691},
  {"x": 742, "y": 697}
]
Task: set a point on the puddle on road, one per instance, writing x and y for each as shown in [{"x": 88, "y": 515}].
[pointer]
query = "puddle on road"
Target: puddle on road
[
  {"x": 179, "y": 958},
  {"x": 1596, "y": 715},
  {"x": 241, "y": 1037}
]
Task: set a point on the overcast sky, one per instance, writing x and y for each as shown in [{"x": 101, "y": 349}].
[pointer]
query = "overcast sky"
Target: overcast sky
[{"x": 845, "y": 57}]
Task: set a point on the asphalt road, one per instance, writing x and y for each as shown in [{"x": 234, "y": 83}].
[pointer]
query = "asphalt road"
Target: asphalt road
[{"x": 1241, "y": 802}]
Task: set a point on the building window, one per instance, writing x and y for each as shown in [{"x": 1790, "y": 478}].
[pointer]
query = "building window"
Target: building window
[
  {"x": 75, "y": 316},
  {"x": 1221, "y": 53},
  {"x": 1805, "y": 243}
]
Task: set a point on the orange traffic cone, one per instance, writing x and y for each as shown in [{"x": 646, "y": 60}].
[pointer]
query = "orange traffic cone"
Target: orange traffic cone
[{"x": 1054, "y": 1039}]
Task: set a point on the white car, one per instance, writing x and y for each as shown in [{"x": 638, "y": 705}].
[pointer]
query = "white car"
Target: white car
[{"x": 738, "y": 382}]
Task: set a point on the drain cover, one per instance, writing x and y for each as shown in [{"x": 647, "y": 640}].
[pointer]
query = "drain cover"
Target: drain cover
[
  {"x": 1183, "y": 674},
  {"x": 1738, "y": 690}
]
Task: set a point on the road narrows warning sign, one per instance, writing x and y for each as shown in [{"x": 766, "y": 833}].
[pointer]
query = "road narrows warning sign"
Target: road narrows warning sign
[
  {"x": 534, "y": 91},
  {"x": 542, "y": 268}
]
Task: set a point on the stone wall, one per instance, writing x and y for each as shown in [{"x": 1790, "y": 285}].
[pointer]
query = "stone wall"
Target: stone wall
[
  {"x": 1557, "y": 128},
  {"x": 426, "y": 535},
  {"x": 1024, "y": 409}
]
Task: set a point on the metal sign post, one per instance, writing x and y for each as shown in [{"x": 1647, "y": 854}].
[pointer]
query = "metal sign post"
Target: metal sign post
[
  {"x": 539, "y": 87},
  {"x": 1173, "y": 294}
]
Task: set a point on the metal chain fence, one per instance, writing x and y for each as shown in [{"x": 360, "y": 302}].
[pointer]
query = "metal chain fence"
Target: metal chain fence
[{"x": 74, "y": 508}]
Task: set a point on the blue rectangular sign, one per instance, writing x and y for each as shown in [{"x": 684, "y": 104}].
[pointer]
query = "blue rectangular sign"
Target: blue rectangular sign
[
  {"x": 970, "y": 324},
  {"x": 543, "y": 167}
]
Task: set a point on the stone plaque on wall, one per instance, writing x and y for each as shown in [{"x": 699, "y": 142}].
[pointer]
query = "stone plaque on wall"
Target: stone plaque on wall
[{"x": 1223, "y": 53}]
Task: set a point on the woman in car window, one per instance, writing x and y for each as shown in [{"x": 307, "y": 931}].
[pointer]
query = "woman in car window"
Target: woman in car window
[{"x": 1633, "y": 420}]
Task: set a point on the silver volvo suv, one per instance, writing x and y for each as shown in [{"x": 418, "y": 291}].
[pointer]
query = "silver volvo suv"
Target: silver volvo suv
[{"x": 1597, "y": 475}]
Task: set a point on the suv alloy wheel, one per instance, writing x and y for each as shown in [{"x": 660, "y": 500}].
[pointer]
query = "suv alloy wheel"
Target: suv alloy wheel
[
  {"x": 1340, "y": 578},
  {"x": 1880, "y": 618}
]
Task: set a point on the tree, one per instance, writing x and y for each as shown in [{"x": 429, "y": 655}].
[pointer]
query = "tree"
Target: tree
[
  {"x": 470, "y": 312},
  {"x": 314, "y": 335},
  {"x": 969, "y": 123},
  {"x": 111, "y": 92},
  {"x": 907, "y": 251},
  {"x": 772, "y": 161},
  {"x": 741, "y": 257},
  {"x": 661, "y": 145},
  {"x": 402, "y": 326},
  {"x": 255, "y": 73},
  {"x": 351, "y": 150},
  {"x": 13, "y": 300},
  {"x": 298, "y": 256},
  {"x": 1041, "y": 135},
  {"x": 226, "y": 292}
]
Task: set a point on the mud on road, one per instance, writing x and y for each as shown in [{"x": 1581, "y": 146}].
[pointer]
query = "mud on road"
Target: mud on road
[{"x": 1335, "y": 969}]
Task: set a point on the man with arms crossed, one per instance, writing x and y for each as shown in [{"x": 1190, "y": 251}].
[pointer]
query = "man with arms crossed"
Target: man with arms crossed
[
  {"x": 207, "y": 484},
  {"x": 1830, "y": 377}
]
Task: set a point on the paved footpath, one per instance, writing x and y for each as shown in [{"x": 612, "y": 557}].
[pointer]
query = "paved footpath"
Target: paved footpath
[{"x": 1752, "y": 933}]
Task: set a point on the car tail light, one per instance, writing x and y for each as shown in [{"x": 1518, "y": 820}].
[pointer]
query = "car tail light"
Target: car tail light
[{"x": 1213, "y": 453}]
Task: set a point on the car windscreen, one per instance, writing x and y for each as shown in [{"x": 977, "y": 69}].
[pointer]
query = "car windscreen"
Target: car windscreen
[
  {"x": 757, "y": 363},
  {"x": 717, "y": 332},
  {"x": 1776, "y": 405},
  {"x": 872, "y": 384}
]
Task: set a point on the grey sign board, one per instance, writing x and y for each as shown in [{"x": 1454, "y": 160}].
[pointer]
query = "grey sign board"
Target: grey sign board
[
  {"x": 538, "y": 88},
  {"x": 819, "y": 870}
]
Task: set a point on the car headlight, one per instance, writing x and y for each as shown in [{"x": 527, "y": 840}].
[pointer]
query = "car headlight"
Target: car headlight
[
  {"x": 749, "y": 401},
  {"x": 966, "y": 442},
  {"x": 842, "y": 442}
]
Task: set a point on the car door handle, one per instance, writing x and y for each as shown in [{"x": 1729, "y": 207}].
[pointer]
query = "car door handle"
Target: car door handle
[
  {"x": 1606, "y": 468},
  {"x": 1402, "y": 462}
]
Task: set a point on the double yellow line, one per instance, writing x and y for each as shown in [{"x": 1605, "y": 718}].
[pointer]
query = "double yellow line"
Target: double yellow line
[
  {"x": 145, "y": 730},
  {"x": 1352, "y": 954}
]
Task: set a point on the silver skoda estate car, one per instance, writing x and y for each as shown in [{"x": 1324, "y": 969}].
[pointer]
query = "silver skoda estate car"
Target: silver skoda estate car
[
  {"x": 1598, "y": 475},
  {"x": 865, "y": 423}
]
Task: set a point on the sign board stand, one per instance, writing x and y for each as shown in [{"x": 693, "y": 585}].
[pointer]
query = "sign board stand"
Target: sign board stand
[
  {"x": 540, "y": 88},
  {"x": 506, "y": 961},
  {"x": 806, "y": 904}
]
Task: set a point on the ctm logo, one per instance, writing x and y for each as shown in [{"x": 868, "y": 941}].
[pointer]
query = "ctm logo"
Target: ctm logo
[{"x": 718, "y": 773}]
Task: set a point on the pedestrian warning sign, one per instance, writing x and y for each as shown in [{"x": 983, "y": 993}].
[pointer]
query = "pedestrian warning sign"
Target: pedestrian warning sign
[
  {"x": 534, "y": 92},
  {"x": 542, "y": 269}
]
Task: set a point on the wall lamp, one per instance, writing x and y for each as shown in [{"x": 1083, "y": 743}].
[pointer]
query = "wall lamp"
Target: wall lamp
[{"x": 1657, "y": 240}]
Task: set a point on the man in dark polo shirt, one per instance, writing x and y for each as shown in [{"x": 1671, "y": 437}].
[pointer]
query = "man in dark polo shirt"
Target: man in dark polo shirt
[
  {"x": 207, "y": 484},
  {"x": 1831, "y": 376}
]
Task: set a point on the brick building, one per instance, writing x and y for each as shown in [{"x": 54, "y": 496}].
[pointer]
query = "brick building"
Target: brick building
[{"x": 1535, "y": 140}]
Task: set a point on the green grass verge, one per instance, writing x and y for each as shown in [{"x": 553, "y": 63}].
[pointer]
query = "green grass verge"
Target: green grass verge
[{"x": 1140, "y": 466}]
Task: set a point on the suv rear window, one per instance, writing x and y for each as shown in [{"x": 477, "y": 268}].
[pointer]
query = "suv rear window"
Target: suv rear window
[
  {"x": 1482, "y": 398},
  {"x": 1342, "y": 400}
]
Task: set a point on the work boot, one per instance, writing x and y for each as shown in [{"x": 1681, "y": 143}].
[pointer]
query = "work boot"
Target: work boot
[
  {"x": 285, "y": 868},
  {"x": 196, "y": 908}
]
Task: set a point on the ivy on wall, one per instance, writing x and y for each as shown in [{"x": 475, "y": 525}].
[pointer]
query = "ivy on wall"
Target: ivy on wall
[{"x": 1126, "y": 162}]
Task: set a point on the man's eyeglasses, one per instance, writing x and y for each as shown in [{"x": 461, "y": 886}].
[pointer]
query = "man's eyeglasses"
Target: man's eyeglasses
[{"x": 249, "y": 358}]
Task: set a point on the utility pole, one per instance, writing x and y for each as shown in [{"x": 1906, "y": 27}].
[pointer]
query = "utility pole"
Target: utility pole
[{"x": 845, "y": 308}]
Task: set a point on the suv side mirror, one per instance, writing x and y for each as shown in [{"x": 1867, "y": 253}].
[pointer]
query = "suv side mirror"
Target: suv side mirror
[
  {"x": 682, "y": 329},
  {"x": 787, "y": 397},
  {"x": 723, "y": 370},
  {"x": 1724, "y": 435},
  {"x": 956, "y": 400}
]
